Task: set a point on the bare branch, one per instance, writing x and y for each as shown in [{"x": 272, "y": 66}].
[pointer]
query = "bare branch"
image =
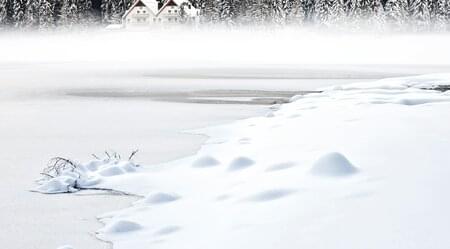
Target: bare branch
[{"x": 133, "y": 154}]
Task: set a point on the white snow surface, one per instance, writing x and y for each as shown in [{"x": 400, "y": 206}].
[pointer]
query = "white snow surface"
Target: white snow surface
[
  {"x": 355, "y": 166},
  {"x": 84, "y": 176}
]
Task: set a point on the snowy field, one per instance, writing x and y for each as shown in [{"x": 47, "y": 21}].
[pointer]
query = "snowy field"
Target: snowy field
[
  {"x": 355, "y": 166},
  {"x": 71, "y": 96}
]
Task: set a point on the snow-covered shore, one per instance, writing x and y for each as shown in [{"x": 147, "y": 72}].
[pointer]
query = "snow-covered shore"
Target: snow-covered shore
[
  {"x": 59, "y": 97},
  {"x": 356, "y": 166}
]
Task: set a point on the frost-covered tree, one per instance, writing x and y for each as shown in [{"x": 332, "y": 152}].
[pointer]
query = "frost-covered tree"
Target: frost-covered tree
[
  {"x": 309, "y": 9},
  {"x": 278, "y": 11},
  {"x": 46, "y": 14},
  {"x": 107, "y": 10},
  {"x": 69, "y": 13},
  {"x": 117, "y": 10},
  {"x": 396, "y": 12},
  {"x": 31, "y": 15},
  {"x": 296, "y": 13},
  {"x": 17, "y": 13},
  {"x": 226, "y": 11},
  {"x": 85, "y": 14},
  {"x": 3, "y": 13},
  {"x": 366, "y": 12},
  {"x": 364, "y": 9},
  {"x": 419, "y": 12},
  {"x": 243, "y": 9},
  {"x": 441, "y": 14},
  {"x": 329, "y": 12},
  {"x": 209, "y": 11}
]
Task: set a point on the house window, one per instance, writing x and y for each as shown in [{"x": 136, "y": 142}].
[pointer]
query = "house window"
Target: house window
[
  {"x": 169, "y": 11},
  {"x": 143, "y": 11},
  {"x": 159, "y": 19},
  {"x": 138, "y": 12},
  {"x": 176, "y": 11},
  {"x": 170, "y": 19},
  {"x": 176, "y": 19},
  {"x": 154, "y": 19}
]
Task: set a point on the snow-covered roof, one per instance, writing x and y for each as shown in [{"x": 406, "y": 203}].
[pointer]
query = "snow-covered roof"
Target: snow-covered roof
[
  {"x": 153, "y": 6},
  {"x": 191, "y": 11}
]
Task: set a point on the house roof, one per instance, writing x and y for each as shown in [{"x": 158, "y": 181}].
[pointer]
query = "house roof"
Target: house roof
[
  {"x": 153, "y": 6},
  {"x": 190, "y": 11}
]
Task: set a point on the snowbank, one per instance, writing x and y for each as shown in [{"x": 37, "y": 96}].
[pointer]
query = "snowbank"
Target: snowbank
[
  {"x": 79, "y": 176},
  {"x": 355, "y": 166}
]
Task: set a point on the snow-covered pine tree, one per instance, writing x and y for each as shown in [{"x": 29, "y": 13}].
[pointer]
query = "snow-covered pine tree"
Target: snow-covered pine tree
[
  {"x": 85, "y": 14},
  {"x": 107, "y": 10},
  {"x": 31, "y": 15},
  {"x": 196, "y": 3},
  {"x": 3, "y": 13},
  {"x": 210, "y": 11},
  {"x": 309, "y": 9},
  {"x": 440, "y": 16},
  {"x": 361, "y": 9},
  {"x": 296, "y": 12},
  {"x": 226, "y": 11},
  {"x": 243, "y": 10},
  {"x": 396, "y": 13},
  {"x": 17, "y": 13},
  {"x": 366, "y": 13},
  {"x": 329, "y": 12},
  {"x": 261, "y": 11},
  {"x": 46, "y": 14},
  {"x": 118, "y": 8},
  {"x": 419, "y": 13},
  {"x": 277, "y": 11},
  {"x": 69, "y": 13}
]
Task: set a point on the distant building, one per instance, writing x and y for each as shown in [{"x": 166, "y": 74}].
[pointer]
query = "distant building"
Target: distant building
[{"x": 157, "y": 12}]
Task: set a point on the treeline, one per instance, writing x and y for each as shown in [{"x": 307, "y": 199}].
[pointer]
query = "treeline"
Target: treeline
[
  {"x": 359, "y": 14},
  {"x": 392, "y": 14},
  {"x": 50, "y": 14}
]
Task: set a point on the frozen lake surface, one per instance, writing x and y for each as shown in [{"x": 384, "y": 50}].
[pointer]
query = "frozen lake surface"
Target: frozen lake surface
[{"x": 76, "y": 109}]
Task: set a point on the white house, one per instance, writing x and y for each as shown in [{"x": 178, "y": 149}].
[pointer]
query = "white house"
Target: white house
[{"x": 154, "y": 12}]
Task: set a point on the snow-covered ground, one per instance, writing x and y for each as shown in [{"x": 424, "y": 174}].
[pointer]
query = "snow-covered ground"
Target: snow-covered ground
[
  {"x": 356, "y": 166},
  {"x": 73, "y": 95}
]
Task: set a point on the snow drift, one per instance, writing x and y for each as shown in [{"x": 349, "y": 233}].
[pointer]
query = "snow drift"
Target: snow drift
[{"x": 354, "y": 166}]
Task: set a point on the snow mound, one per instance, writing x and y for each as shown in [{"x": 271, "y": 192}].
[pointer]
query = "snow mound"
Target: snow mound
[
  {"x": 270, "y": 195},
  {"x": 205, "y": 162},
  {"x": 240, "y": 163},
  {"x": 79, "y": 176},
  {"x": 121, "y": 226},
  {"x": 167, "y": 230},
  {"x": 65, "y": 247},
  {"x": 160, "y": 198},
  {"x": 333, "y": 165}
]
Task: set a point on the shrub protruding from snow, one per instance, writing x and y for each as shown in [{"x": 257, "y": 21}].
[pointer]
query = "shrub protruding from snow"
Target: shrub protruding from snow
[{"x": 66, "y": 176}]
